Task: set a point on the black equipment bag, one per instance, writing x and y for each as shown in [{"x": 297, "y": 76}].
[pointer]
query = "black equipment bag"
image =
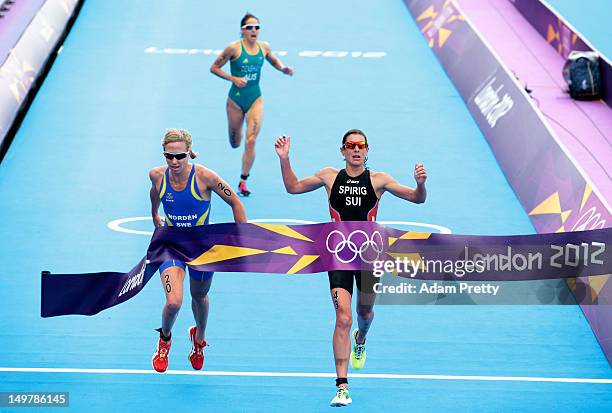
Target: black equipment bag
[{"x": 581, "y": 72}]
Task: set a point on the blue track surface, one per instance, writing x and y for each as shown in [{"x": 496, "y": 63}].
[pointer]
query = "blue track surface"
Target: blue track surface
[
  {"x": 81, "y": 159},
  {"x": 591, "y": 18}
]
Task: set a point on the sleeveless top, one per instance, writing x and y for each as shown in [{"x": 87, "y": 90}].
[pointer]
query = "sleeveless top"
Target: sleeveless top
[
  {"x": 184, "y": 208},
  {"x": 353, "y": 198},
  {"x": 248, "y": 66}
]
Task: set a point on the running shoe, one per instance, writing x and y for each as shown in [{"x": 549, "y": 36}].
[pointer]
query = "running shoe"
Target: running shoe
[
  {"x": 243, "y": 189},
  {"x": 341, "y": 398},
  {"x": 358, "y": 353},
  {"x": 196, "y": 356},
  {"x": 160, "y": 358}
]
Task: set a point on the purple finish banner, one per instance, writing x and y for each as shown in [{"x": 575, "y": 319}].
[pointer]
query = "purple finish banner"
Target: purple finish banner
[
  {"x": 548, "y": 183},
  {"x": 564, "y": 38},
  {"x": 367, "y": 246}
]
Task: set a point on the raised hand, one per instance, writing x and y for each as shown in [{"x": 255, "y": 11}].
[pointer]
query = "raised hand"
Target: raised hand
[
  {"x": 282, "y": 146},
  {"x": 420, "y": 174}
]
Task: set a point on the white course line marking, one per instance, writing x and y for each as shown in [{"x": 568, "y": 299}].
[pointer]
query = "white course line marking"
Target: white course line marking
[
  {"x": 117, "y": 224},
  {"x": 280, "y": 220},
  {"x": 306, "y": 374},
  {"x": 440, "y": 228}
]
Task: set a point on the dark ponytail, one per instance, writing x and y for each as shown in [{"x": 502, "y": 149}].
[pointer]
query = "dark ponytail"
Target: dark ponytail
[{"x": 246, "y": 17}]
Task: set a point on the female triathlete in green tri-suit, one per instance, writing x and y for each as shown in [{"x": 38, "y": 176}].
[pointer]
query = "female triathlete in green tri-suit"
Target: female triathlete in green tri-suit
[{"x": 246, "y": 59}]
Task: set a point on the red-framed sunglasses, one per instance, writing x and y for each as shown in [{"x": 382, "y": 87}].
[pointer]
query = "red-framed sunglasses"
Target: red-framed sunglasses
[{"x": 351, "y": 145}]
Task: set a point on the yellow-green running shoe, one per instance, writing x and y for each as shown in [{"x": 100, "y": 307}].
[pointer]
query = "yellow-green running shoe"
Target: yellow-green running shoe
[
  {"x": 358, "y": 353},
  {"x": 341, "y": 398}
]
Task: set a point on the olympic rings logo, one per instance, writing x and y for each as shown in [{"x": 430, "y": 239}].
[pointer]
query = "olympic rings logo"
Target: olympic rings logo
[{"x": 374, "y": 243}]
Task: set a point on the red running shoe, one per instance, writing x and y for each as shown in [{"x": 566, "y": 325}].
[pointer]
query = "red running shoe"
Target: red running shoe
[
  {"x": 196, "y": 356},
  {"x": 243, "y": 189},
  {"x": 160, "y": 358}
]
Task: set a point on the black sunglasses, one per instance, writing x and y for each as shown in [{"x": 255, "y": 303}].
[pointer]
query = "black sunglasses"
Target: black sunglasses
[
  {"x": 251, "y": 26},
  {"x": 178, "y": 156}
]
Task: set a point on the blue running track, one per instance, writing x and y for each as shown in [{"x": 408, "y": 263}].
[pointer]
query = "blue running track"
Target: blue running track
[{"x": 80, "y": 161}]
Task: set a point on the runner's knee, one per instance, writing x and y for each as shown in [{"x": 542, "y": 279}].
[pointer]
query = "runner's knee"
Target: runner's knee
[
  {"x": 250, "y": 140},
  {"x": 235, "y": 138},
  {"x": 344, "y": 320},
  {"x": 365, "y": 311},
  {"x": 174, "y": 305},
  {"x": 200, "y": 297}
]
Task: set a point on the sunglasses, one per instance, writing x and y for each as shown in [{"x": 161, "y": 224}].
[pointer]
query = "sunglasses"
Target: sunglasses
[
  {"x": 251, "y": 27},
  {"x": 178, "y": 155},
  {"x": 351, "y": 145}
]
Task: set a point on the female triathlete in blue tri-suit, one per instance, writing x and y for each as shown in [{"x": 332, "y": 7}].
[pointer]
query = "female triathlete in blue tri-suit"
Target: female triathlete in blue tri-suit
[{"x": 185, "y": 189}]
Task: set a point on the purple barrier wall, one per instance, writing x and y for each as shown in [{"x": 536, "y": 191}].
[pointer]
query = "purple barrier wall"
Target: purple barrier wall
[
  {"x": 28, "y": 35},
  {"x": 548, "y": 183},
  {"x": 14, "y": 23},
  {"x": 562, "y": 36}
]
